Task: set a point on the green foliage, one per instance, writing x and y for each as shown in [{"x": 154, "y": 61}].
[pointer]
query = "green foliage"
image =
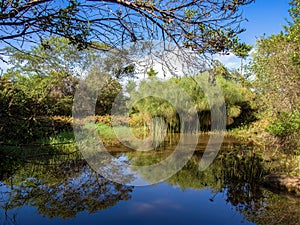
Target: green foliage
[
  {"x": 277, "y": 77},
  {"x": 210, "y": 27},
  {"x": 117, "y": 63},
  {"x": 242, "y": 50},
  {"x": 286, "y": 129},
  {"x": 107, "y": 96},
  {"x": 152, "y": 73},
  {"x": 64, "y": 137},
  {"x": 26, "y": 102},
  {"x": 48, "y": 76},
  {"x": 217, "y": 39},
  {"x": 21, "y": 130},
  {"x": 60, "y": 57},
  {"x": 42, "y": 83},
  {"x": 285, "y": 124},
  {"x": 108, "y": 134},
  {"x": 276, "y": 67},
  {"x": 237, "y": 99}
]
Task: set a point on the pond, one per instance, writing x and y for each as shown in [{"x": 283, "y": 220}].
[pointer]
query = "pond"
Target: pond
[{"x": 63, "y": 189}]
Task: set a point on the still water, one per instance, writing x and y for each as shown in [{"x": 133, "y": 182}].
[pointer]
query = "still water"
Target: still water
[{"x": 63, "y": 189}]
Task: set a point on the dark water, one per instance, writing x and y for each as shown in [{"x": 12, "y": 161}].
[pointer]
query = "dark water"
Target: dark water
[{"x": 63, "y": 189}]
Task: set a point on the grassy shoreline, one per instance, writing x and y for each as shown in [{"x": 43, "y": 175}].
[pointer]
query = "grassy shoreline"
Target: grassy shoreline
[
  {"x": 280, "y": 162},
  {"x": 251, "y": 136},
  {"x": 252, "y": 139}
]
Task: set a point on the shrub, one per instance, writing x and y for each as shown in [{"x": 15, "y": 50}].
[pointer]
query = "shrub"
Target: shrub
[{"x": 286, "y": 129}]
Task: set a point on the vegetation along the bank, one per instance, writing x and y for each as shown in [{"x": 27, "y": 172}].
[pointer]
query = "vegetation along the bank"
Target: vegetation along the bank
[{"x": 261, "y": 97}]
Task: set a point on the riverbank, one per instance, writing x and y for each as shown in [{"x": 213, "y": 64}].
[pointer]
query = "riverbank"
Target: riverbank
[
  {"x": 252, "y": 138},
  {"x": 283, "y": 183},
  {"x": 283, "y": 164}
]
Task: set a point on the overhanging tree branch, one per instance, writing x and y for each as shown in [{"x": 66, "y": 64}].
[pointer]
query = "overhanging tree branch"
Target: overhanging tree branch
[{"x": 203, "y": 25}]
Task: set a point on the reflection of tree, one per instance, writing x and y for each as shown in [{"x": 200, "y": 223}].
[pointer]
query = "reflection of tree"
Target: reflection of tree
[
  {"x": 9, "y": 219},
  {"x": 238, "y": 176},
  {"x": 65, "y": 185},
  {"x": 275, "y": 210},
  {"x": 72, "y": 187}
]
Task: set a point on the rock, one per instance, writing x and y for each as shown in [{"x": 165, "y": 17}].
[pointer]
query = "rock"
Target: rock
[{"x": 283, "y": 183}]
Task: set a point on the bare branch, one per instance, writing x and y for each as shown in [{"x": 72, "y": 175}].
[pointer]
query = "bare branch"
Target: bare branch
[{"x": 207, "y": 26}]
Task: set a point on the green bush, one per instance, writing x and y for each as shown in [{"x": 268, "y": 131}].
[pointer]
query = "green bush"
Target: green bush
[
  {"x": 285, "y": 124},
  {"x": 286, "y": 130}
]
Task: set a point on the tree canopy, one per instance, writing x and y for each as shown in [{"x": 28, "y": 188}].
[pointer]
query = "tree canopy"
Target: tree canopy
[
  {"x": 275, "y": 64},
  {"x": 206, "y": 26}
]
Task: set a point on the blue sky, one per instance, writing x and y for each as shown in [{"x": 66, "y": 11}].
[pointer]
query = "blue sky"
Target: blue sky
[{"x": 264, "y": 17}]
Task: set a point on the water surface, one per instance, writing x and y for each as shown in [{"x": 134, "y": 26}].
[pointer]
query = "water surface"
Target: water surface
[{"x": 63, "y": 189}]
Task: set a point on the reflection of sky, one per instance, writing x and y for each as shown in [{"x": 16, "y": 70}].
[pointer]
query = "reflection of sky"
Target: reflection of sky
[
  {"x": 164, "y": 204},
  {"x": 156, "y": 204}
]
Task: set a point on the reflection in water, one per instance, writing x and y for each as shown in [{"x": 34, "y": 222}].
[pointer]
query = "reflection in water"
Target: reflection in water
[
  {"x": 62, "y": 189},
  {"x": 237, "y": 176},
  {"x": 64, "y": 186}
]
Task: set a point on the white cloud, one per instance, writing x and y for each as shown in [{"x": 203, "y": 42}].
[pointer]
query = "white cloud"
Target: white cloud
[
  {"x": 154, "y": 206},
  {"x": 3, "y": 65},
  {"x": 230, "y": 61},
  {"x": 169, "y": 63}
]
